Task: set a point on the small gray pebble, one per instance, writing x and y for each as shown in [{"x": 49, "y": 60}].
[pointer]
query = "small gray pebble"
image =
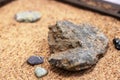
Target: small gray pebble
[
  {"x": 40, "y": 72},
  {"x": 28, "y": 16},
  {"x": 34, "y": 60}
]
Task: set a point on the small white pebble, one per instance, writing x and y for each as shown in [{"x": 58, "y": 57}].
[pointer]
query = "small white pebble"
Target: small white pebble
[
  {"x": 40, "y": 72},
  {"x": 28, "y": 16}
]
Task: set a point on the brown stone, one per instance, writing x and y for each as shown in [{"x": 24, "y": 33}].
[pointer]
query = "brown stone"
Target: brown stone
[{"x": 75, "y": 47}]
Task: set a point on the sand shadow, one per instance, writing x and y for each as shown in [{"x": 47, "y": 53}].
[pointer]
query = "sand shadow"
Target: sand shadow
[
  {"x": 4, "y": 2},
  {"x": 65, "y": 73}
]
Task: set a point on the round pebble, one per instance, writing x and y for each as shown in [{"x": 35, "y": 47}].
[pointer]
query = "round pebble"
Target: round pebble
[
  {"x": 40, "y": 72},
  {"x": 116, "y": 42},
  {"x": 34, "y": 60},
  {"x": 28, "y": 16},
  {"x": 117, "y": 47}
]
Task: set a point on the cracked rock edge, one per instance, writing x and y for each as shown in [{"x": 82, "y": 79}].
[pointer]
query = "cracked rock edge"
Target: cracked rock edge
[{"x": 75, "y": 47}]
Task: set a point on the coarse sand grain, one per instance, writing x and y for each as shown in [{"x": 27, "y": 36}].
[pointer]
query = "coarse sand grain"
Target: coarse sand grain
[{"x": 18, "y": 41}]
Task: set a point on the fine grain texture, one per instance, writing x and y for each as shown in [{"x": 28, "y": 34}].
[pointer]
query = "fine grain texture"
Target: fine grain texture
[
  {"x": 75, "y": 47},
  {"x": 18, "y": 41}
]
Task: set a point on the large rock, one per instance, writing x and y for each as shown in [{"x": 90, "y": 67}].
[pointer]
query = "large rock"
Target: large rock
[{"x": 75, "y": 47}]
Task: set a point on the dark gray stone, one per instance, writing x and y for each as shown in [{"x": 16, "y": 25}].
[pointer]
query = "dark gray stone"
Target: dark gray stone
[
  {"x": 28, "y": 16},
  {"x": 34, "y": 60},
  {"x": 116, "y": 42},
  {"x": 75, "y": 47}
]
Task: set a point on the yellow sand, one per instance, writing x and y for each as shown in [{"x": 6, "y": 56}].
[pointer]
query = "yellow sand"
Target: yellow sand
[{"x": 18, "y": 41}]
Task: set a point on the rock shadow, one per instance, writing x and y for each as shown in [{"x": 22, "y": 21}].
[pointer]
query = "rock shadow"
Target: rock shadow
[
  {"x": 65, "y": 73},
  {"x": 4, "y": 2}
]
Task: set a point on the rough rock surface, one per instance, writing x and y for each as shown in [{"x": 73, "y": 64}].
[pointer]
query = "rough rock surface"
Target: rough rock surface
[
  {"x": 75, "y": 47},
  {"x": 28, "y": 16}
]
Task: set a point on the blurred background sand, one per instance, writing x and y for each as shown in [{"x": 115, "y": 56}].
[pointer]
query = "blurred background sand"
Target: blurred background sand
[{"x": 18, "y": 41}]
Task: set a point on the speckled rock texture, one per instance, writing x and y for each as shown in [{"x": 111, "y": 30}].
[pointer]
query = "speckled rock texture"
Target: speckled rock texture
[
  {"x": 75, "y": 47},
  {"x": 28, "y": 16}
]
